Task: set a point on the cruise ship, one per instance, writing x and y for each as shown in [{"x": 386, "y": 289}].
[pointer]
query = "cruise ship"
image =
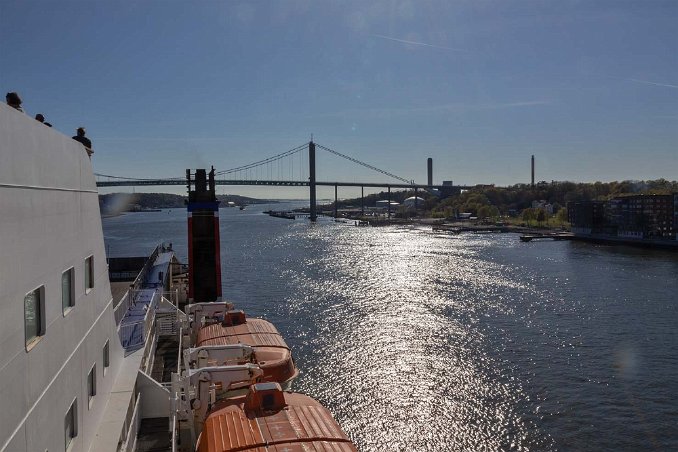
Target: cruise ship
[{"x": 168, "y": 365}]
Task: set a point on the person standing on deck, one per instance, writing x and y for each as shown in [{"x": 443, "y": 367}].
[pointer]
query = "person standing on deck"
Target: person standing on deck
[
  {"x": 14, "y": 101},
  {"x": 80, "y": 137},
  {"x": 41, "y": 118}
]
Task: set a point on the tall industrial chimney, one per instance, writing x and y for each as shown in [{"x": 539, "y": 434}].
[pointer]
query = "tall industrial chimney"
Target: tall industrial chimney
[
  {"x": 204, "y": 257},
  {"x": 533, "y": 171},
  {"x": 430, "y": 171}
]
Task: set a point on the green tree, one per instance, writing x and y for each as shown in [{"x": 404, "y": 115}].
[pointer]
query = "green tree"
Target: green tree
[
  {"x": 561, "y": 216},
  {"x": 528, "y": 215},
  {"x": 485, "y": 212}
]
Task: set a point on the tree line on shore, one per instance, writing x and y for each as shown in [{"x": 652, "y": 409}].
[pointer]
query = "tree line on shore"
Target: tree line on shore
[{"x": 486, "y": 201}]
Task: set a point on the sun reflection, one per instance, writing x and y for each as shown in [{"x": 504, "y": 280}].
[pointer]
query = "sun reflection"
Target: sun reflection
[{"x": 397, "y": 353}]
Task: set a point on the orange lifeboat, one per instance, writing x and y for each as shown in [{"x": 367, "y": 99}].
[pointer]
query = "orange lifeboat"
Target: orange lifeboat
[
  {"x": 267, "y": 420},
  {"x": 271, "y": 353}
]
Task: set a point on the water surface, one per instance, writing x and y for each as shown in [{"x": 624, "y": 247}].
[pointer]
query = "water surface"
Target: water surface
[{"x": 421, "y": 341}]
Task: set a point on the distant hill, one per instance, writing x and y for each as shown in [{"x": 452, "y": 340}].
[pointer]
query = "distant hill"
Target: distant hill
[{"x": 115, "y": 203}]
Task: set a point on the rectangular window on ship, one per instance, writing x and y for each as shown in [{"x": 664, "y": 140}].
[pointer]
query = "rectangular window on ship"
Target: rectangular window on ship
[
  {"x": 92, "y": 384},
  {"x": 67, "y": 292},
  {"x": 71, "y": 424},
  {"x": 107, "y": 356},
  {"x": 89, "y": 273},
  {"x": 34, "y": 315}
]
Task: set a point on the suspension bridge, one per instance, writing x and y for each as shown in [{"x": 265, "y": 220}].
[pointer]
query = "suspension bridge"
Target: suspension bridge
[{"x": 288, "y": 169}]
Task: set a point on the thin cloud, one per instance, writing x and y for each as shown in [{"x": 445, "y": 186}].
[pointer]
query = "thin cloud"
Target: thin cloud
[
  {"x": 527, "y": 103},
  {"x": 417, "y": 43},
  {"x": 161, "y": 139},
  {"x": 647, "y": 82},
  {"x": 386, "y": 112}
]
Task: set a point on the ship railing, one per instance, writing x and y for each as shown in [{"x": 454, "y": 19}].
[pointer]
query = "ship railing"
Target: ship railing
[
  {"x": 141, "y": 277},
  {"x": 129, "y": 298},
  {"x": 172, "y": 297},
  {"x": 173, "y": 427},
  {"x": 175, "y": 389},
  {"x": 181, "y": 350},
  {"x": 149, "y": 334},
  {"x": 122, "y": 307},
  {"x": 169, "y": 317},
  {"x": 175, "y": 395},
  {"x": 130, "y": 429},
  {"x": 133, "y": 335}
]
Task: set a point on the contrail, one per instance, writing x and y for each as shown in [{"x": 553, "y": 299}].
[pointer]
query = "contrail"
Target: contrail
[
  {"x": 645, "y": 82},
  {"x": 417, "y": 43}
]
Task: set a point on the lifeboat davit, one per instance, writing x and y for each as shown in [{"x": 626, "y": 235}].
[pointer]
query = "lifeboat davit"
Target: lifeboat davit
[{"x": 268, "y": 419}]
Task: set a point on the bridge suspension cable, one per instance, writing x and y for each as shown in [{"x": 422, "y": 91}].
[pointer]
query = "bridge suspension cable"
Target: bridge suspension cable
[
  {"x": 264, "y": 161},
  {"x": 269, "y": 165},
  {"x": 366, "y": 165}
]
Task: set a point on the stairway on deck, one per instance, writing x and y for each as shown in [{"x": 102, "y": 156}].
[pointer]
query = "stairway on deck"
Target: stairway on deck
[{"x": 165, "y": 361}]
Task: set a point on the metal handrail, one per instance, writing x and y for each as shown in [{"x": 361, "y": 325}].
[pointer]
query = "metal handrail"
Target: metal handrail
[
  {"x": 126, "y": 301},
  {"x": 131, "y": 425},
  {"x": 149, "y": 317},
  {"x": 148, "y": 331},
  {"x": 138, "y": 281},
  {"x": 121, "y": 308},
  {"x": 181, "y": 340},
  {"x": 147, "y": 326},
  {"x": 174, "y": 410}
]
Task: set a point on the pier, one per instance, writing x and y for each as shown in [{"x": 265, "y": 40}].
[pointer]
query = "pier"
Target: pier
[
  {"x": 478, "y": 229},
  {"x": 551, "y": 236},
  {"x": 282, "y": 214}
]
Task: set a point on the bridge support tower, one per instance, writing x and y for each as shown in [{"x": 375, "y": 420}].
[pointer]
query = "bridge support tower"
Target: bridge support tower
[
  {"x": 311, "y": 171},
  {"x": 389, "y": 201}
]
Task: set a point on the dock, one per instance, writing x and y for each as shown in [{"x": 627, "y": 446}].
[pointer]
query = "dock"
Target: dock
[
  {"x": 480, "y": 229},
  {"x": 553, "y": 236},
  {"x": 281, "y": 214}
]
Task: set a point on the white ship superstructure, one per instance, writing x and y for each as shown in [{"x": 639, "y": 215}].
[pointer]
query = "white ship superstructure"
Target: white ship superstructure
[{"x": 59, "y": 348}]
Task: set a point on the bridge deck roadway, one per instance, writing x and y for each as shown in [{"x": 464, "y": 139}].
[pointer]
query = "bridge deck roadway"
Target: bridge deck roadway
[{"x": 156, "y": 182}]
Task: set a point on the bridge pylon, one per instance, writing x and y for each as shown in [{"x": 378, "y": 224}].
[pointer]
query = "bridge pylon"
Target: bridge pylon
[{"x": 311, "y": 171}]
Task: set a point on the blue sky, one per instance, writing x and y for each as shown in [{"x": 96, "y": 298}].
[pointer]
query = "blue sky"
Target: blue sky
[{"x": 589, "y": 87}]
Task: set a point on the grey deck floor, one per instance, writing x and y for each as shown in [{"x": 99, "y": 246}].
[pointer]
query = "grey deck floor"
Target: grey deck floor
[{"x": 154, "y": 435}]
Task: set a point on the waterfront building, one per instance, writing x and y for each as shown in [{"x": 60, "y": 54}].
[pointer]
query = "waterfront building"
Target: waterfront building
[
  {"x": 586, "y": 217},
  {"x": 634, "y": 217}
]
